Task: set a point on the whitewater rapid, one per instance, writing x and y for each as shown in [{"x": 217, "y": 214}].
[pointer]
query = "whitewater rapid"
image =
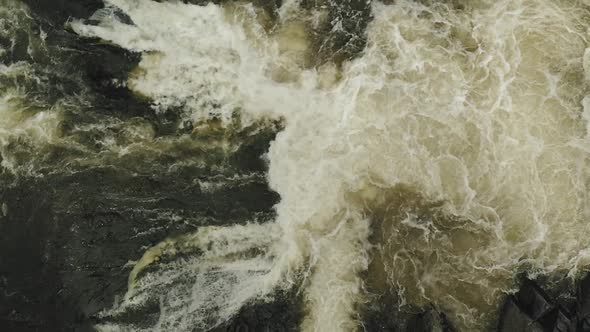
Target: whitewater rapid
[{"x": 449, "y": 156}]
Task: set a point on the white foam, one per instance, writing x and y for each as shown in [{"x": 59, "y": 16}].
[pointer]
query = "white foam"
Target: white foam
[
  {"x": 20, "y": 123},
  {"x": 222, "y": 270},
  {"x": 477, "y": 108}
]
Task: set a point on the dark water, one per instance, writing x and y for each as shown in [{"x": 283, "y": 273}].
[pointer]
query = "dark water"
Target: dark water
[{"x": 74, "y": 212}]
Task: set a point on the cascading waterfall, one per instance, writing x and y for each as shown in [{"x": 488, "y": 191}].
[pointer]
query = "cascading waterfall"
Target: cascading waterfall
[{"x": 448, "y": 156}]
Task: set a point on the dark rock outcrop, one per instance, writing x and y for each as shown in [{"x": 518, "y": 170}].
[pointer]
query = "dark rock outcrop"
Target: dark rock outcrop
[
  {"x": 583, "y": 305},
  {"x": 532, "y": 310}
]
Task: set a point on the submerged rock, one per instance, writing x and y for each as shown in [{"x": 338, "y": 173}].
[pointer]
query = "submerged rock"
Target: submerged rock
[
  {"x": 429, "y": 320},
  {"x": 344, "y": 36}
]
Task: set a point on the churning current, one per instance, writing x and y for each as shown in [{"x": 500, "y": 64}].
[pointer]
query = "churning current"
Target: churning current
[{"x": 439, "y": 151}]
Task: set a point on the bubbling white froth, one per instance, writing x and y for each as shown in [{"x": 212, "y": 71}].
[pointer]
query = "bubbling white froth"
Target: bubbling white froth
[
  {"x": 21, "y": 124},
  {"x": 450, "y": 155},
  {"x": 472, "y": 108},
  {"x": 196, "y": 60}
]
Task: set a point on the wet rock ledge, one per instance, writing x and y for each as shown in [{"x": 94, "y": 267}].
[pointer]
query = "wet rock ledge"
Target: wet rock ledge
[{"x": 532, "y": 309}]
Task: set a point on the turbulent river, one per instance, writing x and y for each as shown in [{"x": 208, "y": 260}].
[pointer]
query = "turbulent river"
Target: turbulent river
[{"x": 336, "y": 159}]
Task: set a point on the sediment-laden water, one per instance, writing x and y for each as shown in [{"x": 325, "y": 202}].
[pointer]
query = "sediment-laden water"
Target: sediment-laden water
[{"x": 317, "y": 165}]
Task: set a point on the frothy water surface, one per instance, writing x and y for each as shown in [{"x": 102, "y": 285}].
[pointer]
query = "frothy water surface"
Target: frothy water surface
[{"x": 449, "y": 155}]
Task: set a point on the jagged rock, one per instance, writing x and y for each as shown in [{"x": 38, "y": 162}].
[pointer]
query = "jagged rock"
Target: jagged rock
[
  {"x": 532, "y": 310},
  {"x": 512, "y": 318},
  {"x": 558, "y": 321},
  {"x": 533, "y": 300},
  {"x": 583, "y": 305}
]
